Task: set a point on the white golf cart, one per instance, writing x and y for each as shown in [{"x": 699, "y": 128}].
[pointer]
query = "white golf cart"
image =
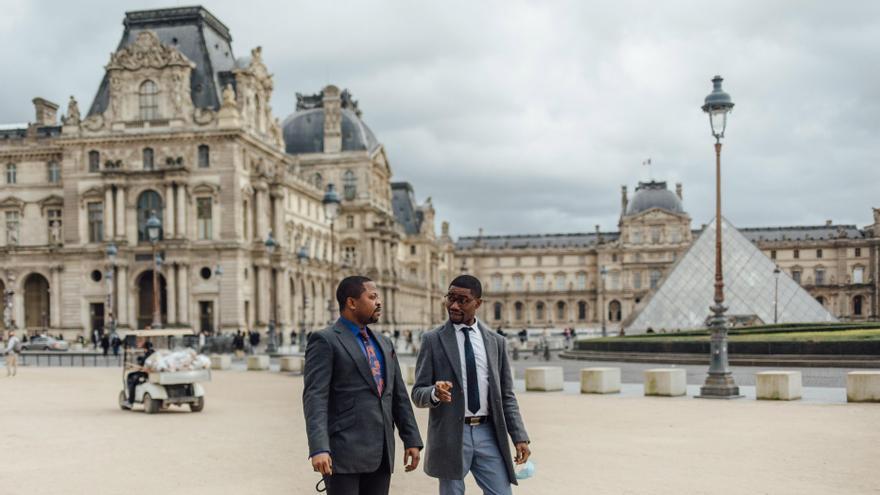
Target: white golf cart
[{"x": 158, "y": 390}]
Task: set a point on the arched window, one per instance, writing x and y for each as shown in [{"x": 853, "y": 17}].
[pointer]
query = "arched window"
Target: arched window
[
  {"x": 539, "y": 311},
  {"x": 857, "y": 305},
  {"x": 497, "y": 310},
  {"x": 148, "y": 99},
  {"x": 349, "y": 185},
  {"x": 94, "y": 161},
  {"x": 518, "y": 311},
  {"x": 148, "y": 159},
  {"x": 204, "y": 156},
  {"x": 560, "y": 311},
  {"x": 318, "y": 180},
  {"x": 582, "y": 310},
  {"x": 614, "y": 312},
  {"x": 149, "y": 203}
]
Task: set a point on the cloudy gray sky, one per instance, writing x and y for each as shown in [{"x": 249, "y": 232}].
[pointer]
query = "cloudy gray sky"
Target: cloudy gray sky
[{"x": 527, "y": 117}]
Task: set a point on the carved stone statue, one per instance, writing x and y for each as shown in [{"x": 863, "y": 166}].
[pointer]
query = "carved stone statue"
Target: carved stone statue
[
  {"x": 177, "y": 92},
  {"x": 228, "y": 96},
  {"x": 115, "y": 94},
  {"x": 73, "y": 116}
]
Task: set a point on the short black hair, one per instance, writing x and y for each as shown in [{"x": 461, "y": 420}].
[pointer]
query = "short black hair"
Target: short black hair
[
  {"x": 469, "y": 282},
  {"x": 350, "y": 287}
]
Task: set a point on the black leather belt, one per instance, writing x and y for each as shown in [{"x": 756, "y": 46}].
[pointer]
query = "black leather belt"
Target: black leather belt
[{"x": 476, "y": 420}]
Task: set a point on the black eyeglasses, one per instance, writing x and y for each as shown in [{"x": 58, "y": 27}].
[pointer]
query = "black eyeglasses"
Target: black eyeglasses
[{"x": 461, "y": 300}]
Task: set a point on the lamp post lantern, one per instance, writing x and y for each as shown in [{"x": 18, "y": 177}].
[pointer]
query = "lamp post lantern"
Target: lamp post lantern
[
  {"x": 719, "y": 383},
  {"x": 271, "y": 245},
  {"x": 154, "y": 231},
  {"x": 111, "y": 257},
  {"x": 331, "y": 211},
  {"x": 603, "y": 272},
  {"x": 776, "y": 272}
]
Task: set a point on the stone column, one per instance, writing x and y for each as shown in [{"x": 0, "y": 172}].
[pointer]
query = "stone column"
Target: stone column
[
  {"x": 278, "y": 209},
  {"x": 282, "y": 284},
  {"x": 108, "y": 213},
  {"x": 262, "y": 215},
  {"x": 120, "y": 213},
  {"x": 263, "y": 299},
  {"x": 181, "y": 230},
  {"x": 55, "y": 300},
  {"x": 122, "y": 295},
  {"x": 171, "y": 292},
  {"x": 183, "y": 293},
  {"x": 168, "y": 221}
]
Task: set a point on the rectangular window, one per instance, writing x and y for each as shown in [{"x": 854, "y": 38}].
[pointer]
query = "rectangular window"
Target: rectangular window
[
  {"x": 204, "y": 215},
  {"x": 655, "y": 278},
  {"x": 539, "y": 261},
  {"x": 655, "y": 235},
  {"x": 818, "y": 253},
  {"x": 204, "y": 156},
  {"x": 773, "y": 254},
  {"x": 54, "y": 217},
  {"x": 858, "y": 252},
  {"x": 496, "y": 283},
  {"x": 518, "y": 282},
  {"x": 637, "y": 280},
  {"x": 11, "y": 173},
  {"x": 13, "y": 222},
  {"x": 349, "y": 255},
  {"x": 797, "y": 254},
  {"x": 614, "y": 258},
  {"x": 94, "y": 161},
  {"x": 412, "y": 250},
  {"x": 858, "y": 275},
  {"x": 54, "y": 171},
  {"x": 349, "y": 221},
  {"x": 615, "y": 281},
  {"x": 820, "y": 276},
  {"x": 96, "y": 222},
  {"x": 676, "y": 235},
  {"x": 560, "y": 282},
  {"x": 560, "y": 260},
  {"x": 539, "y": 281},
  {"x": 796, "y": 275},
  {"x": 582, "y": 281},
  {"x": 636, "y": 237}
]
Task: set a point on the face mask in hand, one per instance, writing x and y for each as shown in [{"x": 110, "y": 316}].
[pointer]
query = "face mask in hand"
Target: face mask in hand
[{"x": 525, "y": 471}]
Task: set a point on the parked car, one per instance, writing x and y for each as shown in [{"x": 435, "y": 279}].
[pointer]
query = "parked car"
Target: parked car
[{"x": 45, "y": 343}]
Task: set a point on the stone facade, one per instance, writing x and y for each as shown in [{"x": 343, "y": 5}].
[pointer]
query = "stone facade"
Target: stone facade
[{"x": 197, "y": 145}]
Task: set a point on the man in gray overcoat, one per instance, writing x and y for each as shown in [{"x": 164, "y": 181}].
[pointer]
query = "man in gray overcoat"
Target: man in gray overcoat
[{"x": 464, "y": 376}]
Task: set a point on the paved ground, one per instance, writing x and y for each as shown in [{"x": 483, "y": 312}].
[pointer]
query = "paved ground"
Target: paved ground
[{"x": 63, "y": 433}]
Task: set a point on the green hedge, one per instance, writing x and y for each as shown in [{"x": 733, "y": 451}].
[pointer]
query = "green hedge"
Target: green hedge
[{"x": 768, "y": 329}]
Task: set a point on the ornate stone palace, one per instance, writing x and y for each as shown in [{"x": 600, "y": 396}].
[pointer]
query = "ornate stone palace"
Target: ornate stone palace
[
  {"x": 560, "y": 280},
  {"x": 182, "y": 130}
]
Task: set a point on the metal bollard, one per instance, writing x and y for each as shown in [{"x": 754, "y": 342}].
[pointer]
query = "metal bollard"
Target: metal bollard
[
  {"x": 546, "y": 352},
  {"x": 516, "y": 353}
]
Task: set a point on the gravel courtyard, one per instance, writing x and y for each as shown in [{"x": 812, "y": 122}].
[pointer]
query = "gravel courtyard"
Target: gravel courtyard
[{"x": 62, "y": 432}]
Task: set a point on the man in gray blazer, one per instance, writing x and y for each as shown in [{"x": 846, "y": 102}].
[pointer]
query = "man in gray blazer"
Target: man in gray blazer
[
  {"x": 353, "y": 396},
  {"x": 464, "y": 376}
]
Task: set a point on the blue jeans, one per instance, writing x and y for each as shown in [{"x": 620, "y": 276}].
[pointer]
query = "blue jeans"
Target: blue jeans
[{"x": 481, "y": 458}]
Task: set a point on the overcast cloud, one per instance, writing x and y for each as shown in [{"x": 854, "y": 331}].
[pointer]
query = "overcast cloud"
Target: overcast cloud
[{"x": 527, "y": 117}]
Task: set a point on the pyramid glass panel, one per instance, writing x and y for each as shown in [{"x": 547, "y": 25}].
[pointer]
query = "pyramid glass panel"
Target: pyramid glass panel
[{"x": 683, "y": 299}]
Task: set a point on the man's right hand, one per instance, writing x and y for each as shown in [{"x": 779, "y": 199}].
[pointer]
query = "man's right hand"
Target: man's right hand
[
  {"x": 322, "y": 463},
  {"x": 443, "y": 391}
]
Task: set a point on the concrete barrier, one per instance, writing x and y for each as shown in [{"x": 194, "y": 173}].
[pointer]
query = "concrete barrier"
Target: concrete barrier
[
  {"x": 259, "y": 362},
  {"x": 409, "y": 373},
  {"x": 863, "y": 386},
  {"x": 778, "y": 385},
  {"x": 292, "y": 363},
  {"x": 600, "y": 380},
  {"x": 666, "y": 382},
  {"x": 221, "y": 361},
  {"x": 544, "y": 378}
]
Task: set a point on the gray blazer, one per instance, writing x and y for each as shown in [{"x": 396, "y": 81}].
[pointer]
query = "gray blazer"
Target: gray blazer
[
  {"x": 439, "y": 360},
  {"x": 343, "y": 411}
]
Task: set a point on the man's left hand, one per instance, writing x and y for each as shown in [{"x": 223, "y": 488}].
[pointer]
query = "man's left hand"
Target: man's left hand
[
  {"x": 522, "y": 453},
  {"x": 411, "y": 458}
]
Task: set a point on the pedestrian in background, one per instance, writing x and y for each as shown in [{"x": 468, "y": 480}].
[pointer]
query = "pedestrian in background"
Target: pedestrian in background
[
  {"x": 105, "y": 344},
  {"x": 13, "y": 349}
]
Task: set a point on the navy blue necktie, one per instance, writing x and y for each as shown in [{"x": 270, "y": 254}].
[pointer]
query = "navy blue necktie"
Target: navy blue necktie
[{"x": 470, "y": 363}]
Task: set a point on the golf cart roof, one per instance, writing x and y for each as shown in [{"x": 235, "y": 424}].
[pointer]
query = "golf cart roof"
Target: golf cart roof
[{"x": 159, "y": 332}]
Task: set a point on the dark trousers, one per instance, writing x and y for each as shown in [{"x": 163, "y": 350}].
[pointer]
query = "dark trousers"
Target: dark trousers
[
  {"x": 375, "y": 483},
  {"x": 133, "y": 380}
]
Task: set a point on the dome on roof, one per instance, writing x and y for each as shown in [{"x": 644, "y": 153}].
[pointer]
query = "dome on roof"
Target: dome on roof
[
  {"x": 303, "y": 130},
  {"x": 651, "y": 195}
]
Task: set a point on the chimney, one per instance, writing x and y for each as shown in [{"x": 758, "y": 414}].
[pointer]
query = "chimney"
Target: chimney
[
  {"x": 624, "y": 202},
  {"x": 332, "y": 103},
  {"x": 678, "y": 190},
  {"x": 828, "y": 223},
  {"x": 444, "y": 227},
  {"x": 47, "y": 112}
]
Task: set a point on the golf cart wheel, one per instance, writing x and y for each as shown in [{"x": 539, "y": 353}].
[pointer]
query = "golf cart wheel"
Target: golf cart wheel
[
  {"x": 123, "y": 401},
  {"x": 198, "y": 405},
  {"x": 151, "y": 405}
]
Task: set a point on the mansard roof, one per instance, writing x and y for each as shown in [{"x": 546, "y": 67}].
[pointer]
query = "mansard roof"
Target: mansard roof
[
  {"x": 406, "y": 211},
  {"x": 196, "y": 33},
  {"x": 535, "y": 241}
]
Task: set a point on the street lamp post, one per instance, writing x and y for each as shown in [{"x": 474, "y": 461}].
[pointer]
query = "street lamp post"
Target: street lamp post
[
  {"x": 218, "y": 272},
  {"x": 719, "y": 383},
  {"x": 271, "y": 245},
  {"x": 154, "y": 229},
  {"x": 331, "y": 211},
  {"x": 603, "y": 272},
  {"x": 111, "y": 257},
  {"x": 776, "y": 272}
]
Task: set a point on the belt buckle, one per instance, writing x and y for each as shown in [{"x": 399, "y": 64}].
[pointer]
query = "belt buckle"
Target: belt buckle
[{"x": 473, "y": 420}]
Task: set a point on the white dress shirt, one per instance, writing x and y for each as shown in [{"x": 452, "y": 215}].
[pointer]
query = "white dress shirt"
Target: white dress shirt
[{"x": 482, "y": 367}]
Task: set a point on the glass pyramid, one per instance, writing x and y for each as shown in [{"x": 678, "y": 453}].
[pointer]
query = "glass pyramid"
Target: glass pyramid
[{"x": 683, "y": 299}]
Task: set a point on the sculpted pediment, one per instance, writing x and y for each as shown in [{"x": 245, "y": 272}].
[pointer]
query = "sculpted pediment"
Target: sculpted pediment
[
  {"x": 148, "y": 52},
  {"x": 12, "y": 202}
]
